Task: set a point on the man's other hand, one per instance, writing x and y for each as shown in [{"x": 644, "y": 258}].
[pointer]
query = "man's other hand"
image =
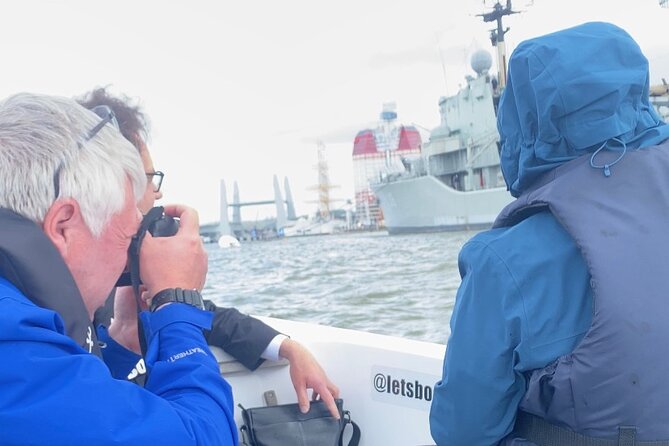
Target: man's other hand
[
  {"x": 123, "y": 328},
  {"x": 306, "y": 373}
]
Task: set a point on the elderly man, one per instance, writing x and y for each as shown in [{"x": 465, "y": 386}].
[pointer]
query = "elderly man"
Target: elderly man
[
  {"x": 560, "y": 326},
  {"x": 68, "y": 210},
  {"x": 244, "y": 337}
]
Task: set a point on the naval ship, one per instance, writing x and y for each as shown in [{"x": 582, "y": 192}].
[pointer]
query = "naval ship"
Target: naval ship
[{"x": 456, "y": 184}]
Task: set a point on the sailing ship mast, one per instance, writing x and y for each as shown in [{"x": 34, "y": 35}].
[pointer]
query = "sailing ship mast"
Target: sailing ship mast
[{"x": 324, "y": 186}]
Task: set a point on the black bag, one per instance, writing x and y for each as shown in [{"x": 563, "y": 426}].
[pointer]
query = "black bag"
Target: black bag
[{"x": 285, "y": 425}]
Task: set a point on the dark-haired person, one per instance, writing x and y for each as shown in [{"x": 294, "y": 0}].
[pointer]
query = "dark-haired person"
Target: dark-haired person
[
  {"x": 560, "y": 326},
  {"x": 246, "y": 338},
  {"x": 68, "y": 211}
]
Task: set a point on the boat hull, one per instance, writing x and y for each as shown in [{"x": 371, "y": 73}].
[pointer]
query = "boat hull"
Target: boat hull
[{"x": 425, "y": 204}]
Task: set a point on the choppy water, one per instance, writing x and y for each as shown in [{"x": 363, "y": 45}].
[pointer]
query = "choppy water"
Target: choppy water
[{"x": 398, "y": 285}]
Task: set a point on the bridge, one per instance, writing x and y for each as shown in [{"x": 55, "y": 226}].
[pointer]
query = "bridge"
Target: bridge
[{"x": 285, "y": 210}]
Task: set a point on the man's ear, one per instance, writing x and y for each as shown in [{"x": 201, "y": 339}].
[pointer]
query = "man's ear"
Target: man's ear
[{"x": 62, "y": 223}]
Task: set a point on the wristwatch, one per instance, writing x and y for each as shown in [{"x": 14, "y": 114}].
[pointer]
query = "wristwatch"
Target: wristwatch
[{"x": 190, "y": 297}]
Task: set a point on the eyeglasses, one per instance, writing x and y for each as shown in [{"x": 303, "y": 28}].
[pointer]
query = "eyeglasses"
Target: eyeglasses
[
  {"x": 107, "y": 115},
  {"x": 156, "y": 178}
]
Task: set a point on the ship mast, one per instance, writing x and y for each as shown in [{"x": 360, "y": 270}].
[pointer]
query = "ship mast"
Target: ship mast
[{"x": 497, "y": 37}]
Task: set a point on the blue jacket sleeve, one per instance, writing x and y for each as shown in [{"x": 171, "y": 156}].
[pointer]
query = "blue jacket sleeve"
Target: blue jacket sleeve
[
  {"x": 475, "y": 402},
  {"x": 72, "y": 397},
  {"x": 524, "y": 301}
]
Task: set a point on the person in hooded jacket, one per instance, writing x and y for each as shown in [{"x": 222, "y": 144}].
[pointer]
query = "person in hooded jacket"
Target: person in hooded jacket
[
  {"x": 559, "y": 330},
  {"x": 68, "y": 211}
]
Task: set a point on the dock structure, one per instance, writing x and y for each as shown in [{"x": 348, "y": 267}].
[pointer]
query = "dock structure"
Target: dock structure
[{"x": 285, "y": 211}]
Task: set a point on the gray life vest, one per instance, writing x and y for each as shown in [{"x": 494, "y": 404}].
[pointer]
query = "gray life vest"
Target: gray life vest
[{"x": 613, "y": 388}]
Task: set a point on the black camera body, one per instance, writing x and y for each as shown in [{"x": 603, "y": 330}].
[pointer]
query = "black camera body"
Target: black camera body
[
  {"x": 165, "y": 226},
  {"x": 158, "y": 224}
]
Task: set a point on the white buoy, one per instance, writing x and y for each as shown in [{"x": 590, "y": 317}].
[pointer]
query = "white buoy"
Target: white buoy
[{"x": 228, "y": 241}]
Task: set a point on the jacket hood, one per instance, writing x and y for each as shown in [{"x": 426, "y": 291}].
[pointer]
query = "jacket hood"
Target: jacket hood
[{"x": 570, "y": 92}]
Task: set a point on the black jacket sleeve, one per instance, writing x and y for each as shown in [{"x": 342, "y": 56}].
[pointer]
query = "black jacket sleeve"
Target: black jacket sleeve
[{"x": 240, "y": 335}]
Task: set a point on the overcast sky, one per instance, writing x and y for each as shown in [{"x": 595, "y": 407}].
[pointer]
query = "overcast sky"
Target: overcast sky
[{"x": 243, "y": 90}]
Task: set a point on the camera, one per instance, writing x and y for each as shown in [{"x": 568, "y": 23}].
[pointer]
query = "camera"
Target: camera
[
  {"x": 165, "y": 226},
  {"x": 158, "y": 224}
]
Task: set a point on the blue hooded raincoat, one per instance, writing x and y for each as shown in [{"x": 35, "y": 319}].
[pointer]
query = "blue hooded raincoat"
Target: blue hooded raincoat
[{"x": 525, "y": 298}]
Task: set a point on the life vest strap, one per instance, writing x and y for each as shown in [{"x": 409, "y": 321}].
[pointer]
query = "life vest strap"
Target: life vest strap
[{"x": 542, "y": 433}]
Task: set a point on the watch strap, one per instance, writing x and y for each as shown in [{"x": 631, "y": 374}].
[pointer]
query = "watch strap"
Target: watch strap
[{"x": 179, "y": 295}]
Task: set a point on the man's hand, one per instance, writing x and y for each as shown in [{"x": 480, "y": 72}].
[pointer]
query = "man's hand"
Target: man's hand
[
  {"x": 179, "y": 261},
  {"x": 123, "y": 328},
  {"x": 306, "y": 373}
]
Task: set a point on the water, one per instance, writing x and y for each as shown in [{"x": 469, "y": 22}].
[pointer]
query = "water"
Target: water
[{"x": 396, "y": 285}]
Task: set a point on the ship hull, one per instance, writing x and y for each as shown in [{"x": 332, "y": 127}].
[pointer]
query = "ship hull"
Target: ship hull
[{"x": 425, "y": 204}]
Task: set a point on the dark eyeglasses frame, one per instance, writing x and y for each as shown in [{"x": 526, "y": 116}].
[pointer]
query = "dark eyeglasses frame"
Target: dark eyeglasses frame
[
  {"x": 152, "y": 175},
  {"x": 107, "y": 116}
]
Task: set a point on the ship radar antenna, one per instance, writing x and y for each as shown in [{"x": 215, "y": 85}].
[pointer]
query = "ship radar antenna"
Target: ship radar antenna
[{"x": 497, "y": 36}]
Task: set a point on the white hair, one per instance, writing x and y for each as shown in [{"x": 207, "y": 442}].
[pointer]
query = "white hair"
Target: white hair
[{"x": 41, "y": 135}]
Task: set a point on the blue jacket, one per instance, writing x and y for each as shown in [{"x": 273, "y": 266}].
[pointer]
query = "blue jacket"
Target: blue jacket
[
  {"x": 55, "y": 392},
  {"x": 503, "y": 325},
  {"x": 525, "y": 298}
]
